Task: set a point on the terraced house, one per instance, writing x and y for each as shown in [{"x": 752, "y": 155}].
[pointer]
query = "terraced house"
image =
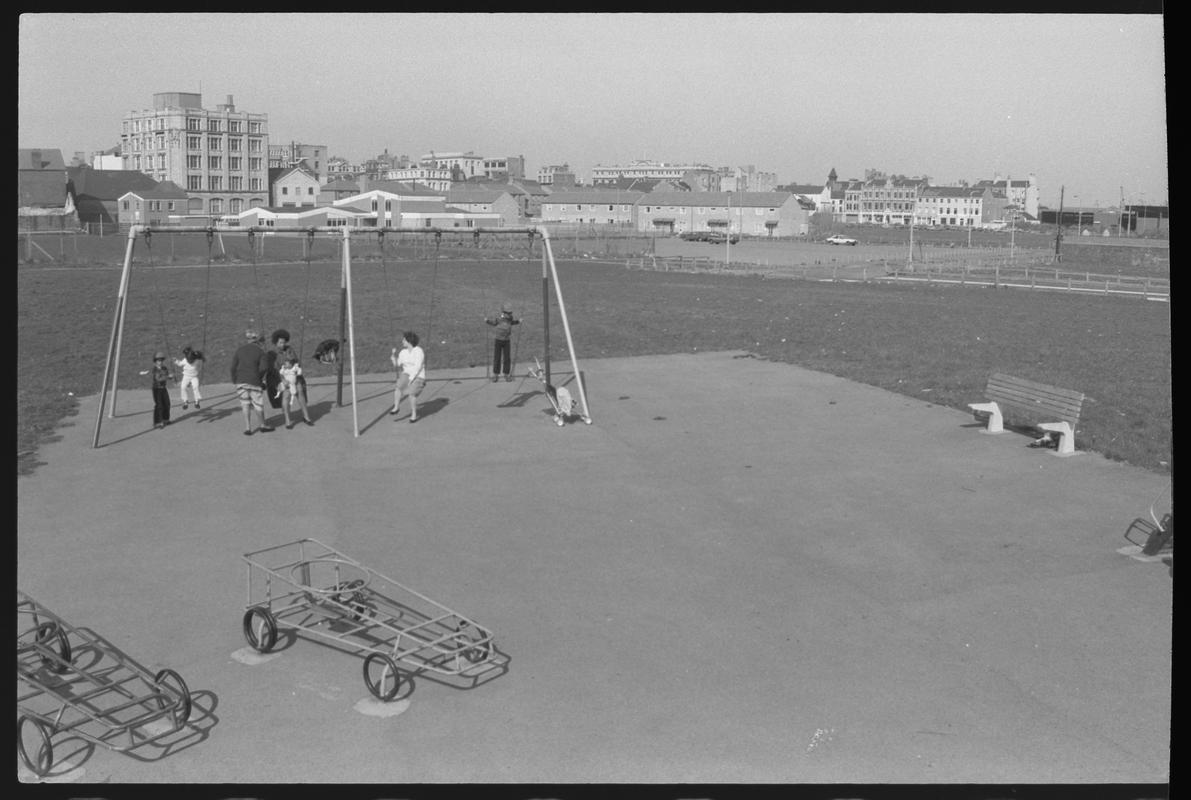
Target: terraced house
[
  {"x": 956, "y": 206},
  {"x": 768, "y": 214}
]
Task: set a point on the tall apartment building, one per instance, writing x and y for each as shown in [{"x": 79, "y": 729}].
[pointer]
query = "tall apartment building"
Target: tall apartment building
[
  {"x": 463, "y": 166},
  {"x": 289, "y": 155},
  {"x": 607, "y": 175},
  {"x": 557, "y": 176},
  {"x": 219, "y": 156},
  {"x": 509, "y": 168}
]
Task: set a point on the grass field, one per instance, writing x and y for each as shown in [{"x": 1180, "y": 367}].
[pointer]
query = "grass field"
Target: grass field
[{"x": 933, "y": 343}]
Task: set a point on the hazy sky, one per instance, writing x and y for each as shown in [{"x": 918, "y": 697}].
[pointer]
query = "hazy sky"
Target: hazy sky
[{"x": 1078, "y": 100}]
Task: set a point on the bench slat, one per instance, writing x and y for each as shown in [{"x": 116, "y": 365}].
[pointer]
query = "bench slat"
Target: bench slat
[{"x": 1035, "y": 400}]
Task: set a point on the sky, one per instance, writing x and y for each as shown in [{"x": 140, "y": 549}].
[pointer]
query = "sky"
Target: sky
[{"x": 1078, "y": 100}]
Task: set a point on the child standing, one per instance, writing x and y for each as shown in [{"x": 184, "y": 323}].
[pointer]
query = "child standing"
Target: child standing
[
  {"x": 191, "y": 365},
  {"x": 501, "y": 345},
  {"x": 161, "y": 394}
]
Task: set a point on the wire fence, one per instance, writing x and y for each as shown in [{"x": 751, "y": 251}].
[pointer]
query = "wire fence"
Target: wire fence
[{"x": 1028, "y": 273}]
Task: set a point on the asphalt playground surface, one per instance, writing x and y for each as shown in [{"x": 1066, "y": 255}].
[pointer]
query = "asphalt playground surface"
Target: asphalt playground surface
[{"x": 741, "y": 571}]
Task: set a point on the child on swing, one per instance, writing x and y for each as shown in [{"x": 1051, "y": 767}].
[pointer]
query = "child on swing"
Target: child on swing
[
  {"x": 501, "y": 344},
  {"x": 410, "y": 362},
  {"x": 191, "y": 368}
]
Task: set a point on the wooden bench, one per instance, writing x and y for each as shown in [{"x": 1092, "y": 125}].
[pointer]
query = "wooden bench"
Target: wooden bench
[{"x": 1047, "y": 407}]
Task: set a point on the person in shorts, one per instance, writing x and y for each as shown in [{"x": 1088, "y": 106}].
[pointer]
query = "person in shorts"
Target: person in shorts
[
  {"x": 411, "y": 374},
  {"x": 249, "y": 365}
]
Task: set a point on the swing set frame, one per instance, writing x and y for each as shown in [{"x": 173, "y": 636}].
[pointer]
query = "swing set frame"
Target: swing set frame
[{"x": 346, "y": 323}]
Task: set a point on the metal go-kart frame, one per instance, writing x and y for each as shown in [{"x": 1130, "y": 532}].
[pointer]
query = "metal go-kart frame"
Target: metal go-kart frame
[
  {"x": 312, "y": 588},
  {"x": 111, "y": 701},
  {"x": 1155, "y": 537}
]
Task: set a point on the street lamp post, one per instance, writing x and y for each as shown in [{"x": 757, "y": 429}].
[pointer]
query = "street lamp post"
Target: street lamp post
[{"x": 728, "y": 238}]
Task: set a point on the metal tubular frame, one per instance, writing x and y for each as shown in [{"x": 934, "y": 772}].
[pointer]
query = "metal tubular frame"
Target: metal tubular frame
[{"x": 549, "y": 274}]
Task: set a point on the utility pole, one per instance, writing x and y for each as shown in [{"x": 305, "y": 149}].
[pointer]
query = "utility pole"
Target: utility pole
[{"x": 1059, "y": 225}]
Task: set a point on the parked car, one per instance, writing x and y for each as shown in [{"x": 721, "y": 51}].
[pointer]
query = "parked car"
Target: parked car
[
  {"x": 718, "y": 237},
  {"x": 837, "y": 239},
  {"x": 693, "y": 236}
]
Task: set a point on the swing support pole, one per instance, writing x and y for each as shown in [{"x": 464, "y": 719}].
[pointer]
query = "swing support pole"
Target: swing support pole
[
  {"x": 111, "y": 366},
  {"x": 566, "y": 328},
  {"x": 351, "y": 330}
]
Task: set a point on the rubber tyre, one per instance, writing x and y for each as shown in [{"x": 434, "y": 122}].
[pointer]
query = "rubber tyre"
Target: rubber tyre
[
  {"x": 172, "y": 680},
  {"x": 268, "y": 632},
  {"x": 388, "y": 667},
  {"x": 47, "y": 631},
  {"x": 45, "y": 753}
]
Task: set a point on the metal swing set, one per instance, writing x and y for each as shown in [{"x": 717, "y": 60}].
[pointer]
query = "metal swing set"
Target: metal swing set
[{"x": 331, "y": 351}]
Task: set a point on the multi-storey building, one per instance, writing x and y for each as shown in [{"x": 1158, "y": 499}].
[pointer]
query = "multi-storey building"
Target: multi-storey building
[
  {"x": 746, "y": 179},
  {"x": 954, "y": 206},
  {"x": 889, "y": 201},
  {"x": 462, "y": 166},
  {"x": 431, "y": 177},
  {"x": 219, "y": 156},
  {"x": 559, "y": 176},
  {"x": 290, "y": 155},
  {"x": 511, "y": 168},
  {"x": 1023, "y": 194},
  {"x": 605, "y": 175}
]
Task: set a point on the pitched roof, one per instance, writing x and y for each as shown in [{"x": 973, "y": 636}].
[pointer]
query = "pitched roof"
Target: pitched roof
[
  {"x": 475, "y": 195},
  {"x": 951, "y": 191},
  {"x": 403, "y": 188},
  {"x": 595, "y": 197},
  {"x": 283, "y": 172},
  {"x": 40, "y": 189},
  {"x": 108, "y": 184},
  {"x": 166, "y": 190},
  {"x": 44, "y": 158},
  {"x": 802, "y": 188},
  {"x": 341, "y": 185},
  {"x": 737, "y": 199}
]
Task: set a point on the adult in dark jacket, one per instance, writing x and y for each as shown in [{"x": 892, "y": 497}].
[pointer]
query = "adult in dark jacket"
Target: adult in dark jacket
[{"x": 249, "y": 365}]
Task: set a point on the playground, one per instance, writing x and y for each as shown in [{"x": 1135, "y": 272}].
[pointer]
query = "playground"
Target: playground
[
  {"x": 832, "y": 583},
  {"x": 740, "y": 571}
]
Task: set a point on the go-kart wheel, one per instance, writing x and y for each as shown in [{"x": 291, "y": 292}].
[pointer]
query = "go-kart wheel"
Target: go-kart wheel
[
  {"x": 479, "y": 653},
  {"x": 260, "y": 629},
  {"x": 381, "y": 676},
  {"x": 172, "y": 682},
  {"x": 46, "y": 632},
  {"x": 45, "y": 751}
]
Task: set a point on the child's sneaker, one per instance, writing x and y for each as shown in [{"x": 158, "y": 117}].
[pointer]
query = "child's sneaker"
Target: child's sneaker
[{"x": 196, "y": 404}]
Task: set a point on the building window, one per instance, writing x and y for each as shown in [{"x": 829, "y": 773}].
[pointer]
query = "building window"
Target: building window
[
  {"x": 194, "y": 142},
  {"x": 194, "y": 183},
  {"x": 192, "y": 124},
  {"x": 234, "y": 143},
  {"x": 235, "y": 163},
  {"x": 254, "y": 145},
  {"x": 235, "y": 183},
  {"x": 213, "y": 125},
  {"x": 214, "y": 183},
  {"x": 254, "y": 164},
  {"x": 125, "y": 205},
  {"x": 214, "y": 162},
  {"x": 254, "y": 185},
  {"x": 309, "y": 190}
]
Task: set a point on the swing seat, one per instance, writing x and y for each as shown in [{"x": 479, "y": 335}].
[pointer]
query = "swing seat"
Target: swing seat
[{"x": 327, "y": 352}]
